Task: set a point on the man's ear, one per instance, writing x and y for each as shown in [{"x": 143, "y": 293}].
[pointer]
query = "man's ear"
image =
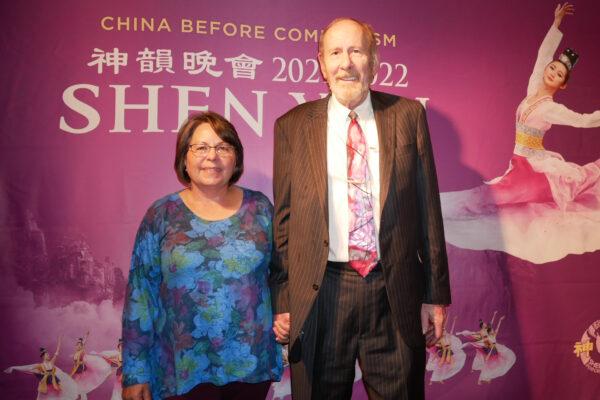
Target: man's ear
[
  {"x": 322, "y": 65},
  {"x": 374, "y": 67}
]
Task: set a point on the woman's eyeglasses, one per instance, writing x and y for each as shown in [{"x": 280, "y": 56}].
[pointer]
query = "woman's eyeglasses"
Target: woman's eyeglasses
[{"x": 202, "y": 150}]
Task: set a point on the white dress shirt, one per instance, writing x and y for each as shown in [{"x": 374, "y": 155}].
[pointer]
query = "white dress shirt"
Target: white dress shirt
[{"x": 338, "y": 121}]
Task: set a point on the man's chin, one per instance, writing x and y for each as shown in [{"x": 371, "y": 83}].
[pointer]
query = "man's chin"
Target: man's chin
[{"x": 353, "y": 96}]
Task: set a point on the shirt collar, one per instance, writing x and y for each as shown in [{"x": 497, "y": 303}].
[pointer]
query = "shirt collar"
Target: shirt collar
[{"x": 340, "y": 112}]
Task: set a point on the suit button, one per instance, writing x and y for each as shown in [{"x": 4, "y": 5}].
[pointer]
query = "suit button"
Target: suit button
[
  {"x": 326, "y": 243},
  {"x": 316, "y": 287}
]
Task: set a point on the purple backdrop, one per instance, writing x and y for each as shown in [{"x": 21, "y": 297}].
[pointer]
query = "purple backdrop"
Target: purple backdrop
[{"x": 79, "y": 166}]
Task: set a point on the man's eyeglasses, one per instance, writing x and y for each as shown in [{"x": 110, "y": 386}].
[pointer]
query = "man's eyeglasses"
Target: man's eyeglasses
[{"x": 201, "y": 150}]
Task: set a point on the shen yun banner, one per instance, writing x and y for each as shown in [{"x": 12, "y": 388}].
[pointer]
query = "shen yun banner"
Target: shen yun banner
[{"x": 94, "y": 93}]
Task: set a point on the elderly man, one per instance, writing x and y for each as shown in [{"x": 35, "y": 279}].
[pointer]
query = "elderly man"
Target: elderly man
[{"x": 360, "y": 270}]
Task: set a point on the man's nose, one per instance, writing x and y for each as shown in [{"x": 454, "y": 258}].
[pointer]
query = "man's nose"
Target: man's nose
[{"x": 346, "y": 61}]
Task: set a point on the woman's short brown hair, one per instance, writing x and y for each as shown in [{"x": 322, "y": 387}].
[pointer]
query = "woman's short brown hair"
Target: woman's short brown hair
[{"x": 224, "y": 130}]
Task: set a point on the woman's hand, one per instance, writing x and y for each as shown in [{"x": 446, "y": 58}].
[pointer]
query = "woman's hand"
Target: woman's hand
[
  {"x": 58, "y": 345},
  {"x": 137, "y": 392},
  {"x": 561, "y": 11}
]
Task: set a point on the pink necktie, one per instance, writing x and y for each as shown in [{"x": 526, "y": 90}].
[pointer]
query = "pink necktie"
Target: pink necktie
[{"x": 361, "y": 244}]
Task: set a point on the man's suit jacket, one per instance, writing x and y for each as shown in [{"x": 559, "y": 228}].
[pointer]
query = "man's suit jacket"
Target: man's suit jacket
[{"x": 411, "y": 237}]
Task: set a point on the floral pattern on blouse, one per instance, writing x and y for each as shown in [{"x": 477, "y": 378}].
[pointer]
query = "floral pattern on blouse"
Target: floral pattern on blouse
[{"x": 198, "y": 306}]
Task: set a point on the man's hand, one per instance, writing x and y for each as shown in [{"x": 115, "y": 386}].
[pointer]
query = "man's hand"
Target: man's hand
[
  {"x": 137, "y": 392},
  {"x": 281, "y": 327},
  {"x": 433, "y": 318}
]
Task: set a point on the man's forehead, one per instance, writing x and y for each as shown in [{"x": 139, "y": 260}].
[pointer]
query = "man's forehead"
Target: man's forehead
[
  {"x": 344, "y": 22},
  {"x": 340, "y": 29}
]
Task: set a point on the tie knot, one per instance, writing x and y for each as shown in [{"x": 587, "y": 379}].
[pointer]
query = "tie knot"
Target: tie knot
[{"x": 353, "y": 115}]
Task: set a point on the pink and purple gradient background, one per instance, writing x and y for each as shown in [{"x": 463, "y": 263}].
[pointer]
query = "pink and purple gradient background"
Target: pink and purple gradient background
[{"x": 471, "y": 59}]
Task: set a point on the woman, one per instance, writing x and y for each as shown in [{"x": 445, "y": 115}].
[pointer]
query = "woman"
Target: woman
[
  {"x": 530, "y": 201},
  {"x": 446, "y": 357},
  {"x": 115, "y": 359},
  {"x": 89, "y": 370},
  {"x": 197, "y": 319},
  {"x": 53, "y": 382},
  {"x": 492, "y": 359}
]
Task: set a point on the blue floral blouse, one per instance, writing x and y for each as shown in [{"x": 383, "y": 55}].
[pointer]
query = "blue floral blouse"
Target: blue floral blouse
[{"x": 198, "y": 306}]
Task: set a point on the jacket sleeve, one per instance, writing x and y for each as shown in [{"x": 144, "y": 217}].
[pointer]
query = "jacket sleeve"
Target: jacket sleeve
[
  {"x": 433, "y": 245},
  {"x": 281, "y": 193}
]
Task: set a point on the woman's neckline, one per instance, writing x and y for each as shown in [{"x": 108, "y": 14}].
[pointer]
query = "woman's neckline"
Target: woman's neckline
[
  {"x": 529, "y": 100},
  {"x": 206, "y": 220}
]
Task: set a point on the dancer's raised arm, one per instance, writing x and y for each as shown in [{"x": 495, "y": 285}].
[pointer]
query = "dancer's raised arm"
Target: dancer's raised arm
[{"x": 548, "y": 48}]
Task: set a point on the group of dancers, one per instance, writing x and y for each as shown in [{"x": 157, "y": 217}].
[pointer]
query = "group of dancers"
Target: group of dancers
[
  {"x": 89, "y": 371},
  {"x": 492, "y": 359}
]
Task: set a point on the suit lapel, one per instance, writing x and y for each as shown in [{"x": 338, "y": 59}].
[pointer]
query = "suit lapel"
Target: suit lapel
[
  {"x": 316, "y": 143},
  {"x": 385, "y": 129}
]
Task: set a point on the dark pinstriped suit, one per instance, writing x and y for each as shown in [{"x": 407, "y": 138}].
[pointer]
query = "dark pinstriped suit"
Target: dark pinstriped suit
[{"x": 412, "y": 246}]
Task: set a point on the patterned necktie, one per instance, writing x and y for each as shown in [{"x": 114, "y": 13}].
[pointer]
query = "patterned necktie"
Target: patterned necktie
[{"x": 361, "y": 244}]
